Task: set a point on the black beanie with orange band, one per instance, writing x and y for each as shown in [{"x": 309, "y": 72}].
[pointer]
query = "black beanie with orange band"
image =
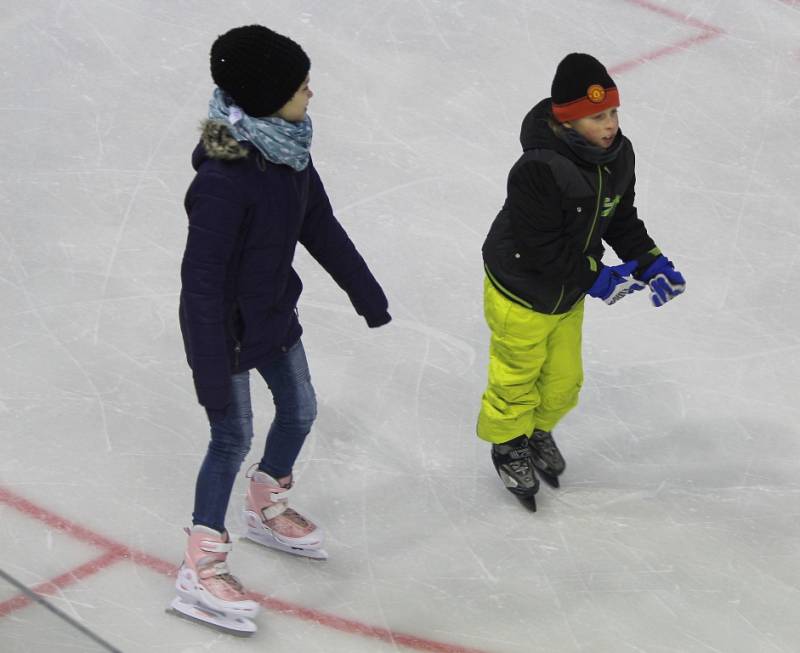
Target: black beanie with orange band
[{"x": 581, "y": 87}]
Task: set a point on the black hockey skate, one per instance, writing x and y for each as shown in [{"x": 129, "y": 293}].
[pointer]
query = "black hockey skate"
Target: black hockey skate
[
  {"x": 546, "y": 457},
  {"x": 512, "y": 460}
]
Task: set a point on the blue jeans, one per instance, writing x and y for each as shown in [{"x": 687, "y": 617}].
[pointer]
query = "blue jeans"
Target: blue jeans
[{"x": 289, "y": 381}]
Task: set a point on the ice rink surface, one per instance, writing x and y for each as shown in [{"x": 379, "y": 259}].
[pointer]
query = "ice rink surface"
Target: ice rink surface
[{"x": 677, "y": 526}]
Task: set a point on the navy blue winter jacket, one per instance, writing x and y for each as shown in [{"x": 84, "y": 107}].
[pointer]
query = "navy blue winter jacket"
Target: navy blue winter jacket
[{"x": 239, "y": 291}]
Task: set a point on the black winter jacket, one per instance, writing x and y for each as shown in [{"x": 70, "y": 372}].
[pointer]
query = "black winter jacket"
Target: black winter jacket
[
  {"x": 544, "y": 247},
  {"x": 239, "y": 291}
]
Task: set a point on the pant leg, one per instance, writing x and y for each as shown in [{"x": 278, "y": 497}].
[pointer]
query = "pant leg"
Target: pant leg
[
  {"x": 517, "y": 352},
  {"x": 295, "y": 410},
  {"x": 561, "y": 377},
  {"x": 231, "y": 435}
]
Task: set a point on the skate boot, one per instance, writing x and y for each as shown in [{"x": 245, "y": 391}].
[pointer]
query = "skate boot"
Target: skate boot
[
  {"x": 207, "y": 592},
  {"x": 271, "y": 522},
  {"x": 512, "y": 460},
  {"x": 546, "y": 457}
]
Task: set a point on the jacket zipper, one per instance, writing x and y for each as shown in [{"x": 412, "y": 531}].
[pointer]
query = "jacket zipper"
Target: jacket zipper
[
  {"x": 237, "y": 349},
  {"x": 237, "y": 346},
  {"x": 597, "y": 208}
]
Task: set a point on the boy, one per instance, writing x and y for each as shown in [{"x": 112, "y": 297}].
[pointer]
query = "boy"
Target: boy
[{"x": 572, "y": 188}]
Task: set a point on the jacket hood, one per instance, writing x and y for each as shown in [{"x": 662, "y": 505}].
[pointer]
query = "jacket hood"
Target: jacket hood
[
  {"x": 536, "y": 132},
  {"x": 217, "y": 142}
]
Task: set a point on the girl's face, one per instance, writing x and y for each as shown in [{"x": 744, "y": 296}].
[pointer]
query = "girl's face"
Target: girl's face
[
  {"x": 599, "y": 129},
  {"x": 295, "y": 109}
]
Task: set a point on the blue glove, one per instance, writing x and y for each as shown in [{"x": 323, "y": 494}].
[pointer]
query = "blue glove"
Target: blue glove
[
  {"x": 664, "y": 280},
  {"x": 614, "y": 282}
]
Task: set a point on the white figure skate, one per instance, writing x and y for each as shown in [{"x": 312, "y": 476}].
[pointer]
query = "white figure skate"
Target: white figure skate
[
  {"x": 271, "y": 522},
  {"x": 207, "y": 592}
]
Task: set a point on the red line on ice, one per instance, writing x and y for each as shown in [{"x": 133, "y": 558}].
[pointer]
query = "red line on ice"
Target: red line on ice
[
  {"x": 358, "y": 628},
  {"x": 83, "y": 534},
  {"x": 115, "y": 551},
  {"x": 59, "y": 582},
  {"x": 675, "y": 15},
  {"x": 707, "y": 32}
]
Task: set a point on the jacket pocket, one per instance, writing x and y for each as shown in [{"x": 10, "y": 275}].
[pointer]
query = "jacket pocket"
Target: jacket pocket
[{"x": 578, "y": 212}]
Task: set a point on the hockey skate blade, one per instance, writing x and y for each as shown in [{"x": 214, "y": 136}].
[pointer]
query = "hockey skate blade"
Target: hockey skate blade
[
  {"x": 528, "y": 502},
  {"x": 237, "y": 626},
  {"x": 266, "y": 540},
  {"x": 527, "y": 497},
  {"x": 550, "y": 479},
  {"x": 547, "y": 476},
  {"x": 542, "y": 471}
]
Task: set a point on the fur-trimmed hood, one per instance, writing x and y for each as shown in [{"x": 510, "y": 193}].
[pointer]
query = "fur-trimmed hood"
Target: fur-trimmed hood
[{"x": 219, "y": 143}]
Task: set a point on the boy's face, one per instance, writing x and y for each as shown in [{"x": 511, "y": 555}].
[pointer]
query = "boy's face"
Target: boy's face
[
  {"x": 599, "y": 129},
  {"x": 295, "y": 109}
]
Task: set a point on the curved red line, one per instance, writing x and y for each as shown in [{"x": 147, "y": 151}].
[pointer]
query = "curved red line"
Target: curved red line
[
  {"x": 674, "y": 15},
  {"x": 707, "y": 32},
  {"x": 661, "y": 52}
]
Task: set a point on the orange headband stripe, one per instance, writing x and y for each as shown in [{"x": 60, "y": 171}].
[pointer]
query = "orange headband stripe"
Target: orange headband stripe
[{"x": 597, "y": 99}]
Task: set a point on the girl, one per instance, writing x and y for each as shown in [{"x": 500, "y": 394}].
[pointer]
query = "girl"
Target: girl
[
  {"x": 256, "y": 194},
  {"x": 572, "y": 188}
]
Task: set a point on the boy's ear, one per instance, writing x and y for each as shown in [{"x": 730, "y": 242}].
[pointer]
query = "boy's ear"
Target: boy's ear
[{"x": 567, "y": 124}]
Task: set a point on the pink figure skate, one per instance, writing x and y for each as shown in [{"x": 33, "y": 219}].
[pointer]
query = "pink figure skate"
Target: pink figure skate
[
  {"x": 271, "y": 522},
  {"x": 207, "y": 592}
]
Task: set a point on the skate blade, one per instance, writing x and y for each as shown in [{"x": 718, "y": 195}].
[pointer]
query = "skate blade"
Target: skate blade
[
  {"x": 550, "y": 479},
  {"x": 266, "y": 540},
  {"x": 528, "y": 502},
  {"x": 547, "y": 476},
  {"x": 237, "y": 626}
]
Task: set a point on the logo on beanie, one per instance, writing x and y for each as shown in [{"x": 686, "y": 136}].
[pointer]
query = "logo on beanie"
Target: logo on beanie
[{"x": 596, "y": 93}]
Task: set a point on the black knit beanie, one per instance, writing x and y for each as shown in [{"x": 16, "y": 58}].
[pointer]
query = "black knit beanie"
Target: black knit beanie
[
  {"x": 260, "y": 69},
  {"x": 582, "y": 87}
]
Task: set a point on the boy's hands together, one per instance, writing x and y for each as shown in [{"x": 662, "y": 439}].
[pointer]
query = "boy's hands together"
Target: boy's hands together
[{"x": 614, "y": 282}]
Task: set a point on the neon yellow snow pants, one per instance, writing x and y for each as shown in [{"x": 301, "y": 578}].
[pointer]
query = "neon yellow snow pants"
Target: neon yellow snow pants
[{"x": 535, "y": 367}]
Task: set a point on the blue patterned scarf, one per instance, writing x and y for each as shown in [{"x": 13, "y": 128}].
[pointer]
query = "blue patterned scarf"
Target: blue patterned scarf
[{"x": 279, "y": 140}]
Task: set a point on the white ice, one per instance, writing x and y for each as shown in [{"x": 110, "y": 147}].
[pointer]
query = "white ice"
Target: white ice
[{"x": 677, "y": 527}]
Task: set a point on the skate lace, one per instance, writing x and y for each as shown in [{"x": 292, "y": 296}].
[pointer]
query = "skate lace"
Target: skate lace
[
  {"x": 295, "y": 517},
  {"x": 518, "y": 466},
  {"x": 518, "y": 461},
  {"x": 220, "y": 570},
  {"x": 520, "y": 470}
]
